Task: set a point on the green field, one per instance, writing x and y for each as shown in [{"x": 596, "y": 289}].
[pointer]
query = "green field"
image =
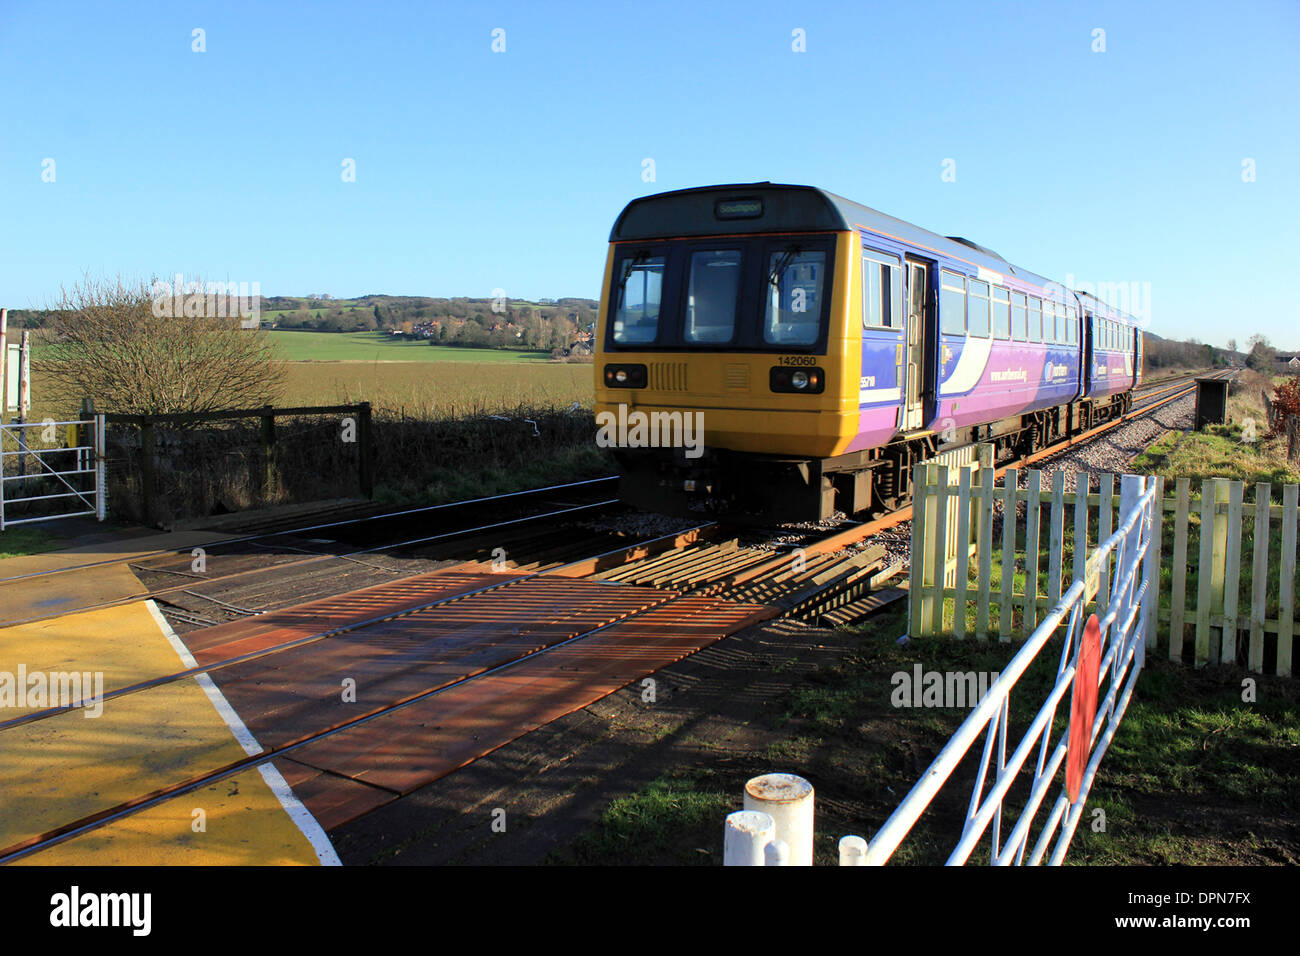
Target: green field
[
  {"x": 382, "y": 347},
  {"x": 438, "y": 389}
]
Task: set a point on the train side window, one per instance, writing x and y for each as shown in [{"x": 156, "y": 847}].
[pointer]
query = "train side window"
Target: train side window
[
  {"x": 1019, "y": 318},
  {"x": 952, "y": 303},
  {"x": 1049, "y": 321},
  {"x": 1035, "y": 319},
  {"x": 636, "y": 321},
  {"x": 1001, "y": 313},
  {"x": 977, "y": 310},
  {"x": 713, "y": 296},
  {"x": 1072, "y": 326},
  {"x": 882, "y": 291},
  {"x": 794, "y": 297}
]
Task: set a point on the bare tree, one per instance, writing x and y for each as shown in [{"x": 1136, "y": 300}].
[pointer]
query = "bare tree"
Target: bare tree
[{"x": 110, "y": 343}]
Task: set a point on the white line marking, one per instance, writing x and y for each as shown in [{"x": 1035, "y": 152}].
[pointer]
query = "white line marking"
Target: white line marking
[{"x": 298, "y": 813}]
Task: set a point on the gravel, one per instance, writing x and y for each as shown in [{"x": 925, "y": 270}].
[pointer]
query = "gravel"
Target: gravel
[{"x": 1114, "y": 451}]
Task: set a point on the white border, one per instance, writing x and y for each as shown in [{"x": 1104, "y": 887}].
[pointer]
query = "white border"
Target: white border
[{"x": 299, "y": 814}]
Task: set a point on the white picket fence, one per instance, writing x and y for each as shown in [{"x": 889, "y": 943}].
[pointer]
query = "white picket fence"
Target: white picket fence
[{"x": 1240, "y": 556}]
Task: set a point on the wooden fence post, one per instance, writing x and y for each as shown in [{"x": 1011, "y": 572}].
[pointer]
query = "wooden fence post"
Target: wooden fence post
[
  {"x": 364, "y": 465},
  {"x": 1232, "y": 569},
  {"x": 1010, "y": 486},
  {"x": 940, "y": 537},
  {"x": 1178, "y": 583},
  {"x": 1286, "y": 579},
  {"x": 269, "y": 475},
  {"x": 1155, "y": 549},
  {"x": 1033, "y": 512},
  {"x": 1259, "y": 581},
  {"x": 147, "y": 451}
]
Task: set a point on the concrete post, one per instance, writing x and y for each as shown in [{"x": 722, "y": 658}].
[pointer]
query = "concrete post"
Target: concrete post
[
  {"x": 776, "y": 853},
  {"x": 788, "y": 799},
  {"x": 746, "y": 834},
  {"x": 853, "y": 851}
]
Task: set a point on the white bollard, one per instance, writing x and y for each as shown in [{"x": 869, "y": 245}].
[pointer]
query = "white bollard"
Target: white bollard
[
  {"x": 853, "y": 851},
  {"x": 776, "y": 853},
  {"x": 788, "y": 799},
  {"x": 745, "y": 835}
]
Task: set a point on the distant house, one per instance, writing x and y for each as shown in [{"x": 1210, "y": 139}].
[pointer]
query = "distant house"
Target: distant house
[{"x": 1295, "y": 362}]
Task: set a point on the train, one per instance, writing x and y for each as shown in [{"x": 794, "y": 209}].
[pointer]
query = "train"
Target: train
[{"x": 779, "y": 353}]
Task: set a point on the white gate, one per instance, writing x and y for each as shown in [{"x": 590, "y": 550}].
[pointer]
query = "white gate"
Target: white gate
[
  {"x": 1117, "y": 656},
  {"x": 68, "y": 480}
]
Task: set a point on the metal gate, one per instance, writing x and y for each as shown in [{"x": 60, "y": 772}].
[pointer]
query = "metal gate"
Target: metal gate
[{"x": 47, "y": 483}]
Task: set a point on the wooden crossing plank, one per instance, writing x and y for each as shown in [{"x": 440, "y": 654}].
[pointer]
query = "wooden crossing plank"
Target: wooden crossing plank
[{"x": 413, "y": 746}]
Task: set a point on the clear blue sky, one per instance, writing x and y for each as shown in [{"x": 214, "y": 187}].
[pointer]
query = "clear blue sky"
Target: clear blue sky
[{"x": 477, "y": 170}]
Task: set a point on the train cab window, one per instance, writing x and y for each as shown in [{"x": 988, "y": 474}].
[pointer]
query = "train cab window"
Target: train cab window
[
  {"x": 794, "y": 297},
  {"x": 713, "y": 296},
  {"x": 641, "y": 287},
  {"x": 882, "y": 291},
  {"x": 977, "y": 310},
  {"x": 1001, "y": 313},
  {"x": 952, "y": 303},
  {"x": 1019, "y": 318}
]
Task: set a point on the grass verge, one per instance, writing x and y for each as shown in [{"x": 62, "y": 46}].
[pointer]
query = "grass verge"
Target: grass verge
[{"x": 1195, "y": 774}]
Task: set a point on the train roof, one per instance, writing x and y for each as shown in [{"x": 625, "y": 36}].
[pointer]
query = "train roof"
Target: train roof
[
  {"x": 785, "y": 207},
  {"x": 1097, "y": 307}
]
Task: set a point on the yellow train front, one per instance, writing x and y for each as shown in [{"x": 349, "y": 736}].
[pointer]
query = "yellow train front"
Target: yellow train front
[{"x": 727, "y": 371}]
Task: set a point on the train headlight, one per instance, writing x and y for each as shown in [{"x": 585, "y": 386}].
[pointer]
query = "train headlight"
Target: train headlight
[
  {"x": 625, "y": 376},
  {"x": 804, "y": 380}
]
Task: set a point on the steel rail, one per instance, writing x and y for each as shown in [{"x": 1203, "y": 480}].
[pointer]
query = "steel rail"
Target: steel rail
[{"x": 315, "y": 527}]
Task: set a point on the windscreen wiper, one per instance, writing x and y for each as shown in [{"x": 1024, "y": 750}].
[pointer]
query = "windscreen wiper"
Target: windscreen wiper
[
  {"x": 779, "y": 269},
  {"x": 629, "y": 265}
]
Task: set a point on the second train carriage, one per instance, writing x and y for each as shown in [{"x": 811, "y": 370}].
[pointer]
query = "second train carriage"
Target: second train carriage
[{"x": 824, "y": 348}]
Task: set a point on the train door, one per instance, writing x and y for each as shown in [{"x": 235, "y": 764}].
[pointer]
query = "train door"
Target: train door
[{"x": 916, "y": 383}]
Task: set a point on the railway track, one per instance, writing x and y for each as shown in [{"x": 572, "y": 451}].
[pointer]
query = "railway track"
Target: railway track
[
  {"x": 255, "y": 554},
  {"x": 499, "y": 645}
]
